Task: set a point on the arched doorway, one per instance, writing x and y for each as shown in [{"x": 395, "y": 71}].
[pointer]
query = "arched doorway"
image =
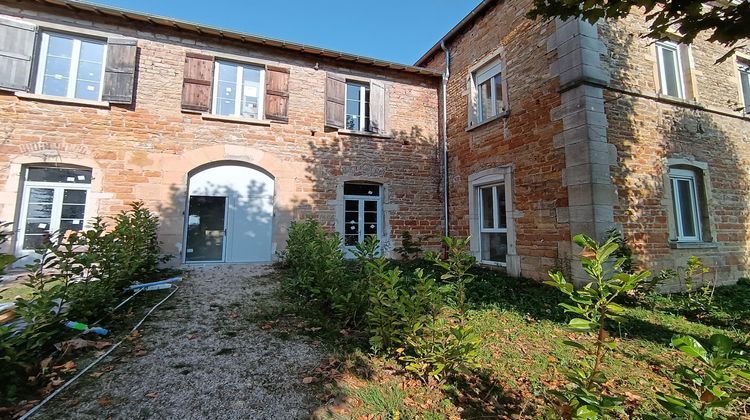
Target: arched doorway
[{"x": 230, "y": 214}]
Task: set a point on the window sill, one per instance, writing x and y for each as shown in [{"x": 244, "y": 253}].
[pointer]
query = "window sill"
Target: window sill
[
  {"x": 503, "y": 114},
  {"x": 677, "y": 100},
  {"x": 62, "y": 100},
  {"x": 240, "y": 120},
  {"x": 692, "y": 245},
  {"x": 363, "y": 134}
]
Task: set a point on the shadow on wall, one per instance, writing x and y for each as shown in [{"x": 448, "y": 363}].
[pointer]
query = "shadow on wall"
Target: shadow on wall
[{"x": 646, "y": 134}]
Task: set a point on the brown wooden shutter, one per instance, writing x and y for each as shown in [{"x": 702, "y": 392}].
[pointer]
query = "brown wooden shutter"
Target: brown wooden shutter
[
  {"x": 377, "y": 107},
  {"x": 335, "y": 100},
  {"x": 17, "y": 42},
  {"x": 196, "y": 82},
  {"x": 277, "y": 93},
  {"x": 119, "y": 72}
]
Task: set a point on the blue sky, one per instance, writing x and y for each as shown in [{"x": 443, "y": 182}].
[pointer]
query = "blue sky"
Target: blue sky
[{"x": 394, "y": 30}]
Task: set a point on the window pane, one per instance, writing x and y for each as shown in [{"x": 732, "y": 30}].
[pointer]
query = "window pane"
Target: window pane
[
  {"x": 500, "y": 190},
  {"x": 362, "y": 189},
  {"x": 485, "y": 100},
  {"x": 745, "y": 79},
  {"x": 494, "y": 247},
  {"x": 92, "y": 52},
  {"x": 71, "y": 224},
  {"x": 488, "y": 221},
  {"x": 57, "y": 67},
  {"x": 41, "y": 195},
  {"x": 39, "y": 211},
  {"x": 69, "y": 175},
  {"x": 250, "y": 92},
  {"x": 60, "y": 46},
  {"x": 90, "y": 64},
  {"x": 226, "y": 89},
  {"x": 686, "y": 203},
  {"x": 499, "y": 106},
  {"x": 74, "y": 197},
  {"x": 670, "y": 84},
  {"x": 367, "y": 109}
]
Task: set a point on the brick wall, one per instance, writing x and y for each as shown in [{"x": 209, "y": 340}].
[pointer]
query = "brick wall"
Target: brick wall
[
  {"x": 648, "y": 130},
  {"x": 523, "y": 139},
  {"x": 145, "y": 151}
]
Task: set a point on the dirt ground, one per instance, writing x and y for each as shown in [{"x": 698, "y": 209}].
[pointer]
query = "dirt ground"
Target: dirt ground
[{"x": 200, "y": 357}]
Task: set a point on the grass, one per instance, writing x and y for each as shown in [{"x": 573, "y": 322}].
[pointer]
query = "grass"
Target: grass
[{"x": 522, "y": 354}]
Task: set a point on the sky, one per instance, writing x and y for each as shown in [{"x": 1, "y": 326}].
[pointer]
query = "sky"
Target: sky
[{"x": 392, "y": 30}]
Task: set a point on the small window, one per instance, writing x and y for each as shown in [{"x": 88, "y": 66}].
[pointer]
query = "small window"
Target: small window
[
  {"x": 489, "y": 88},
  {"x": 71, "y": 67},
  {"x": 670, "y": 69},
  {"x": 238, "y": 90},
  {"x": 357, "y": 106},
  {"x": 745, "y": 85},
  {"x": 687, "y": 204},
  {"x": 493, "y": 228}
]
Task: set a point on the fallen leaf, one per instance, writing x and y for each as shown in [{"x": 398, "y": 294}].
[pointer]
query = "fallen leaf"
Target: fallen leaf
[
  {"x": 140, "y": 353},
  {"x": 308, "y": 380},
  {"x": 266, "y": 326},
  {"x": 68, "y": 366},
  {"x": 151, "y": 394},
  {"x": 232, "y": 315},
  {"x": 97, "y": 374},
  {"x": 104, "y": 400},
  {"x": 191, "y": 336}
]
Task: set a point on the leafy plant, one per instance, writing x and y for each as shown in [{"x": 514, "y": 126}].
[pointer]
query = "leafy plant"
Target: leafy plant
[
  {"x": 623, "y": 250},
  {"x": 410, "y": 248},
  {"x": 699, "y": 292},
  {"x": 592, "y": 306},
  {"x": 5, "y": 234},
  {"x": 718, "y": 381}
]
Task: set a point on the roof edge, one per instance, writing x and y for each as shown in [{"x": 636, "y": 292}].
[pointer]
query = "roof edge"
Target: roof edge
[
  {"x": 481, "y": 7},
  {"x": 86, "y": 6}
]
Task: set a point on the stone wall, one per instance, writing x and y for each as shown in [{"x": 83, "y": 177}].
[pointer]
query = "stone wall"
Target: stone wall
[{"x": 146, "y": 150}]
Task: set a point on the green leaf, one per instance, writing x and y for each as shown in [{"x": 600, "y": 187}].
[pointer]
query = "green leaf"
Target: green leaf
[
  {"x": 574, "y": 344},
  {"x": 582, "y": 325},
  {"x": 690, "y": 346},
  {"x": 586, "y": 412}
]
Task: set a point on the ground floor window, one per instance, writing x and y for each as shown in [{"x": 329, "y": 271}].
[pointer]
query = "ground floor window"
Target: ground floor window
[
  {"x": 53, "y": 201},
  {"x": 493, "y": 226},
  {"x": 687, "y": 204},
  {"x": 362, "y": 213}
]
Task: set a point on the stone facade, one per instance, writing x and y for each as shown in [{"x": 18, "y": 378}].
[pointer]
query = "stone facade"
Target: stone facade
[
  {"x": 589, "y": 140},
  {"x": 146, "y": 151}
]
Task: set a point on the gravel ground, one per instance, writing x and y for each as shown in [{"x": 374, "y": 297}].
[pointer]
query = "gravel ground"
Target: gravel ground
[{"x": 203, "y": 359}]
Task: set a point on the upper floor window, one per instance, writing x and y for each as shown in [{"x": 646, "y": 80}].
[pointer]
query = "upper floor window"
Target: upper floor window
[
  {"x": 357, "y": 106},
  {"x": 489, "y": 88},
  {"x": 745, "y": 85},
  {"x": 671, "y": 76},
  {"x": 238, "y": 90},
  {"x": 70, "y": 66}
]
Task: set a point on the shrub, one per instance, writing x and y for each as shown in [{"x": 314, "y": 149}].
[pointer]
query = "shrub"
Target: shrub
[
  {"x": 410, "y": 248},
  {"x": 592, "y": 306},
  {"x": 705, "y": 390}
]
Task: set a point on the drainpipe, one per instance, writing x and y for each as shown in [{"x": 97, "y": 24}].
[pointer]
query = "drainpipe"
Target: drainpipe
[{"x": 444, "y": 100}]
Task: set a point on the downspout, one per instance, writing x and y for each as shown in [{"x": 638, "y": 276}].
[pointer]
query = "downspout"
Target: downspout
[{"x": 444, "y": 100}]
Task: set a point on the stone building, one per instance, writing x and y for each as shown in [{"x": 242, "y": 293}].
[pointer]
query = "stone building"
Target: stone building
[
  {"x": 550, "y": 129},
  {"x": 558, "y": 128},
  {"x": 227, "y": 136}
]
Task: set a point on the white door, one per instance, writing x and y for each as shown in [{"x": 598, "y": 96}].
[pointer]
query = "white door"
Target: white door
[
  {"x": 362, "y": 214},
  {"x": 53, "y": 202},
  {"x": 243, "y": 204}
]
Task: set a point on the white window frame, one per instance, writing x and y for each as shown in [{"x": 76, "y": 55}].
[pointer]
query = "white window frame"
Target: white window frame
[
  {"x": 675, "y": 47},
  {"x": 74, "y": 62},
  {"x": 362, "y": 104},
  {"x": 488, "y": 73},
  {"x": 361, "y": 217},
  {"x": 497, "y": 188},
  {"x": 744, "y": 71},
  {"x": 676, "y": 175},
  {"x": 57, "y": 203},
  {"x": 240, "y": 89}
]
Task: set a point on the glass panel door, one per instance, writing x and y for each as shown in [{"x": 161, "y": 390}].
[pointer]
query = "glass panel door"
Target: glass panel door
[
  {"x": 38, "y": 223},
  {"x": 206, "y": 229}
]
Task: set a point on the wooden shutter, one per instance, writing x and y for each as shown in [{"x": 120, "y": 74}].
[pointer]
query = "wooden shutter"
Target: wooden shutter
[
  {"x": 17, "y": 42},
  {"x": 277, "y": 93},
  {"x": 119, "y": 72},
  {"x": 377, "y": 107},
  {"x": 335, "y": 100},
  {"x": 197, "y": 81}
]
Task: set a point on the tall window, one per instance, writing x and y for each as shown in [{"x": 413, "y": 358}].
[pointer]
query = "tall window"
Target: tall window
[
  {"x": 54, "y": 201},
  {"x": 357, "y": 106},
  {"x": 488, "y": 85},
  {"x": 362, "y": 213},
  {"x": 493, "y": 227},
  {"x": 238, "y": 90},
  {"x": 745, "y": 84},
  {"x": 670, "y": 69},
  {"x": 71, "y": 66},
  {"x": 687, "y": 204}
]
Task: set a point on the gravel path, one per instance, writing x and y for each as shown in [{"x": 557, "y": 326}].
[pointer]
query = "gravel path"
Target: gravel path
[{"x": 203, "y": 359}]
